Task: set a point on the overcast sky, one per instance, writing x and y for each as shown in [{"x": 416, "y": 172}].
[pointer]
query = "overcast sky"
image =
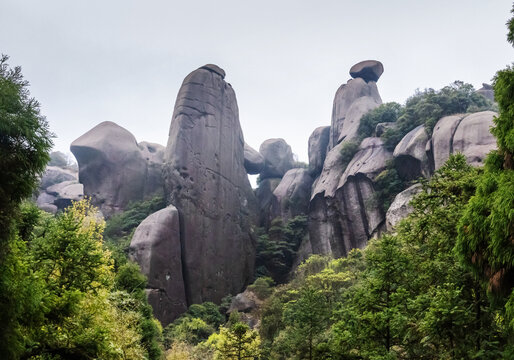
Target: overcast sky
[{"x": 124, "y": 61}]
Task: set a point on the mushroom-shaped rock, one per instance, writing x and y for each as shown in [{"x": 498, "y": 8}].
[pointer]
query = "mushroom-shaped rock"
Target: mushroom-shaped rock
[
  {"x": 156, "y": 247},
  {"x": 318, "y": 142},
  {"x": 410, "y": 155},
  {"x": 400, "y": 208},
  {"x": 351, "y": 102},
  {"x": 293, "y": 193},
  {"x": 278, "y": 158},
  {"x": 369, "y": 70},
  {"x": 206, "y": 180},
  {"x": 112, "y": 167},
  {"x": 473, "y": 137},
  {"x": 254, "y": 161}
]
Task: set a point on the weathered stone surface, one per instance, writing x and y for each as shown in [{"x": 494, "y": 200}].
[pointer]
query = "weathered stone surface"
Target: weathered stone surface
[
  {"x": 266, "y": 200},
  {"x": 369, "y": 70},
  {"x": 293, "y": 193},
  {"x": 244, "y": 302},
  {"x": 62, "y": 194},
  {"x": 383, "y": 127},
  {"x": 254, "y": 161},
  {"x": 410, "y": 155},
  {"x": 318, "y": 142},
  {"x": 351, "y": 102},
  {"x": 206, "y": 180},
  {"x": 473, "y": 137},
  {"x": 54, "y": 175},
  {"x": 400, "y": 207},
  {"x": 486, "y": 91},
  {"x": 467, "y": 134},
  {"x": 342, "y": 214},
  {"x": 156, "y": 247},
  {"x": 114, "y": 169},
  {"x": 442, "y": 139},
  {"x": 278, "y": 158}
]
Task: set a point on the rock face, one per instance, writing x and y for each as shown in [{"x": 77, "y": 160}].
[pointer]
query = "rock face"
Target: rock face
[
  {"x": 156, "y": 247},
  {"x": 318, "y": 142},
  {"x": 58, "y": 188},
  {"x": 400, "y": 207},
  {"x": 369, "y": 70},
  {"x": 293, "y": 194},
  {"x": 410, "y": 155},
  {"x": 254, "y": 161},
  {"x": 486, "y": 91},
  {"x": 351, "y": 102},
  {"x": 114, "y": 169},
  {"x": 54, "y": 175},
  {"x": 266, "y": 201},
  {"x": 468, "y": 134},
  {"x": 342, "y": 214},
  {"x": 206, "y": 180},
  {"x": 278, "y": 158}
]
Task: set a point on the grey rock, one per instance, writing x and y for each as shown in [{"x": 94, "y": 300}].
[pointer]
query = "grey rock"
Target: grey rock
[
  {"x": 468, "y": 134},
  {"x": 351, "y": 102},
  {"x": 441, "y": 143},
  {"x": 278, "y": 158},
  {"x": 400, "y": 207},
  {"x": 318, "y": 142},
  {"x": 342, "y": 213},
  {"x": 45, "y": 198},
  {"x": 410, "y": 155},
  {"x": 156, "y": 247},
  {"x": 381, "y": 128},
  {"x": 206, "y": 180},
  {"x": 113, "y": 168},
  {"x": 215, "y": 69},
  {"x": 369, "y": 70},
  {"x": 54, "y": 175},
  {"x": 244, "y": 302},
  {"x": 266, "y": 201},
  {"x": 293, "y": 193},
  {"x": 65, "y": 193},
  {"x": 254, "y": 161},
  {"x": 49, "y": 208},
  {"x": 473, "y": 137},
  {"x": 486, "y": 91}
]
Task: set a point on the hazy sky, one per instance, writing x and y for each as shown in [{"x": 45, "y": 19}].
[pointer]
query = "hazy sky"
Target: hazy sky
[{"x": 124, "y": 61}]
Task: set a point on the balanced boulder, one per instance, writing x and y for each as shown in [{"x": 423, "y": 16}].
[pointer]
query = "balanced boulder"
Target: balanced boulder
[
  {"x": 278, "y": 158},
  {"x": 318, "y": 142},
  {"x": 254, "y": 161},
  {"x": 369, "y": 70}
]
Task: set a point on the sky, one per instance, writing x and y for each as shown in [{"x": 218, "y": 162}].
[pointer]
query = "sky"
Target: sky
[{"x": 124, "y": 60}]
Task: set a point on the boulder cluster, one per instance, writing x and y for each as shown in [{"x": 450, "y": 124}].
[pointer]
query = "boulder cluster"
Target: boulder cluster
[{"x": 202, "y": 246}]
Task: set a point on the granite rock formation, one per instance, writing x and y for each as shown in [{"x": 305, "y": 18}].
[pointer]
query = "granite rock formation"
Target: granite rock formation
[
  {"x": 58, "y": 187},
  {"x": 318, "y": 142},
  {"x": 486, "y": 91},
  {"x": 292, "y": 195},
  {"x": 400, "y": 207},
  {"x": 410, "y": 155},
  {"x": 114, "y": 169},
  {"x": 278, "y": 158},
  {"x": 156, "y": 247},
  {"x": 206, "y": 180},
  {"x": 267, "y": 201},
  {"x": 254, "y": 161}
]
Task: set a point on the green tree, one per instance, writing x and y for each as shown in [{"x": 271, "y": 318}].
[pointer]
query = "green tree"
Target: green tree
[{"x": 237, "y": 342}]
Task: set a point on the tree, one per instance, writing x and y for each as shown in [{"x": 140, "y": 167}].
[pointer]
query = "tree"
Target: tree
[{"x": 237, "y": 342}]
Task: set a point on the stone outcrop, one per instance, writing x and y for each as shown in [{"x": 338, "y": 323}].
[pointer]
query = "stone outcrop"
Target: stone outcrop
[
  {"x": 468, "y": 134},
  {"x": 293, "y": 194},
  {"x": 342, "y": 213},
  {"x": 156, "y": 247},
  {"x": 54, "y": 175},
  {"x": 400, "y": 207},
  {"x": 206, "y": 180},
  {"x": 278, "y": 158},
  {"x": 58, "y": 188},
  {"x": 351, "y": 102},
  {"x": 486, "y": 91},
  {"x": 254, "y": 161},
  {"x": 369, "y": 70},
  {"x": 114, "y": 169},
  {"x": 318, "y": 142},
  {"x": 266, "y": 201},
  {"x": 410, "y": 155}
]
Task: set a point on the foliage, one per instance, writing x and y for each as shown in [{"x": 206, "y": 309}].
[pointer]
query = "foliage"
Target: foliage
[
  {"x": 385, "y": 113},
  {"x": 277, "y": 248},
  {"x": 486, "y": 231},
  {"x": 262, "y": 287},
  {"x": 237, "y": 342},
  {"x": 387, "y": 185},
  {"x": 348, "y": 151}
]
